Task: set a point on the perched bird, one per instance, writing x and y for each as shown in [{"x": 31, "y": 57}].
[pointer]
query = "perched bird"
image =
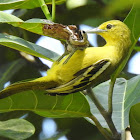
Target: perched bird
[{"x": 85, "y": 68}]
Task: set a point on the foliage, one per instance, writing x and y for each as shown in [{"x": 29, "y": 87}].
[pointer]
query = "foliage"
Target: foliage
[
  {"x": 16, "y": 129},
  {"x": 126, "y": 95}
]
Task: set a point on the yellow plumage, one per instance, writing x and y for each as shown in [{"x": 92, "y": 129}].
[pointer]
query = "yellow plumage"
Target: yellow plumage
[{"x": 85, "y": 68}]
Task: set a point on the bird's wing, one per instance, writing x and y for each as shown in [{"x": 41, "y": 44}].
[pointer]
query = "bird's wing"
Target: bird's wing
[{"x": 82, "y": 79}]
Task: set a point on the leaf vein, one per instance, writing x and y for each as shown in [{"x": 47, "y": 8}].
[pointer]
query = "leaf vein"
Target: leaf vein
[{"x": 55, "y": 103}]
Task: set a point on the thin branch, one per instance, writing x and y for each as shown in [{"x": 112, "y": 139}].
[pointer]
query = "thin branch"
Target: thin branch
[
  {"x": 45, "y": 9},
  {"x": 105, "y": 114},
  {"x": 110, "y": 96},
  {"x": 91, "y": 94},
  {"x": 103, "y": 131}
]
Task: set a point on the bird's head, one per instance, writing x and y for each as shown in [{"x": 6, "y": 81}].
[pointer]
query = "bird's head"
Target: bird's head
[{"x": 112, "y": 31}]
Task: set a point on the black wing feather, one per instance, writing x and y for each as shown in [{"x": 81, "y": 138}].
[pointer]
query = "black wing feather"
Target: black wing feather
[{"x": 82, "y": 78}]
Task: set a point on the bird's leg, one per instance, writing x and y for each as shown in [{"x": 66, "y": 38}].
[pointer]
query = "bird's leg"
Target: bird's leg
[
  {"x": 61, "y": 57},
  {"x": 74, "y": 49},
  {"x": 70, "y": 55},
  {"x": 74, "y": 44},
  {"x": 64, "y": 54}
]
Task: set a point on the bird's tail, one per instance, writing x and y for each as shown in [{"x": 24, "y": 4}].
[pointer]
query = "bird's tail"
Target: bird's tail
[{"x": 42, "y": 83}]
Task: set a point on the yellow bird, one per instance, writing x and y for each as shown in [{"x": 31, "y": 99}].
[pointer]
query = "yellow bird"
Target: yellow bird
[{"x": 85, "y": 68}]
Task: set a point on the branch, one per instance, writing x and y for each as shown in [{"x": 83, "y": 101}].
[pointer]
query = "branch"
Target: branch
[
  {"x": 107, "y": 116},
  {"x": 91, "y": 94},
  {"x": 110, "y": 96},
  {"x": 103, "y": 131}
]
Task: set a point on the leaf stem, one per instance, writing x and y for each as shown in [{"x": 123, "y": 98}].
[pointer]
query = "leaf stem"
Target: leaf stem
[
  {"x": 103, "y": 131},
  {"x": 110, "y": 96},
  {"x": 107, "y": 116},
  {"x": 53, "y": 10},
  {"x": 91, "y": 94},
  {"x": 45, "y": 9}
]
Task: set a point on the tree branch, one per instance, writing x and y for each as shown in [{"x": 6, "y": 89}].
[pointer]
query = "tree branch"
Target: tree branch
[
  {"x": 107, "y": 116},
  {"x": 103, "y": 131},
  {"x": 110, "y": 96}
]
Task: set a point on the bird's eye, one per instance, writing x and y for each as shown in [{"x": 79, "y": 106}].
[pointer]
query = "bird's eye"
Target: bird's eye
[
  {"x": 84, "y": 32},
  {"x": 109, "y": 26}
]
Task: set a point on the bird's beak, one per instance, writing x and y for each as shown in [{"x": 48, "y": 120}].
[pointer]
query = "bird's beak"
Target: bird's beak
[{"x": 95, "y": 30}]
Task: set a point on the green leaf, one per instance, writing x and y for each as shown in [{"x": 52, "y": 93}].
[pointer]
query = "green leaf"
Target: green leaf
[
  {"x": 101, "y": 92},
  {"x": 135, "y": 121},
  {"x": 16, "y": 129},
  {"x": 8, "y": 70},
  {"x": 73, "y": 105},
  {"x": 32, "y": 25},
  {"x": 27, "y": 47},
  {"x": 126, "y": 93},
  {"x": 35, "y": 25},
  {"x": 9, "y": 18},
  {"x": 132, "y": 20},
  {"x": 24, "y": 4}
]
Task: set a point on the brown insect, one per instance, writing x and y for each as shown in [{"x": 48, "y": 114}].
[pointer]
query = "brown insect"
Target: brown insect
[{"x": 75, "y": 39}]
